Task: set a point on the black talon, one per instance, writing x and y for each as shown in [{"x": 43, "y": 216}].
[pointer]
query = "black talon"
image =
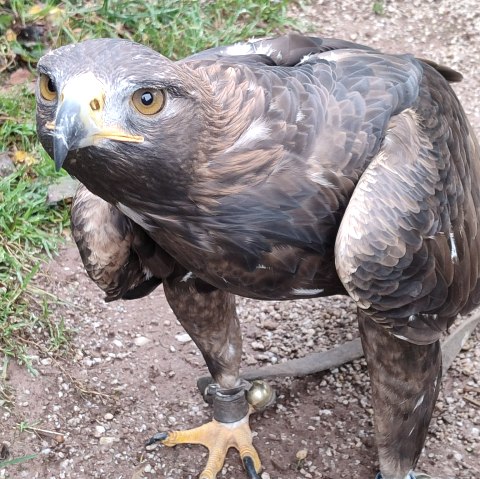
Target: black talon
[
  {"x": 159, "y": 437},
  {"x": 250, "y": 468},
  {"x": 410, "y": 476}
]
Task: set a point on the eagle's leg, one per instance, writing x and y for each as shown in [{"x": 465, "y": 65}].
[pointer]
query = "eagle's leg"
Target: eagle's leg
[
  {"x": 209, "y": 317},
  {"x": 405, "y": 381}
]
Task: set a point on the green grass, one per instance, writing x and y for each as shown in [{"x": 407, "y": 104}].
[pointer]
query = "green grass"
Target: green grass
[
  {"x": 379, "y": 7},
  {"x": 175, "y": 28},
  {"x": 30, "y": 230},
  {"x": 17, "y": 460}
]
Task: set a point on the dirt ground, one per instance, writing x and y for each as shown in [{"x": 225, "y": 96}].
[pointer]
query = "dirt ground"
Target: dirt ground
[{"x": 132, "y": 372}]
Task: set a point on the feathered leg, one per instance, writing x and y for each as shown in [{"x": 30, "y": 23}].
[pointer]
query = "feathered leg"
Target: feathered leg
[
  {"x": 209, "y": 317},
  {"x": 405, "y": 381}
]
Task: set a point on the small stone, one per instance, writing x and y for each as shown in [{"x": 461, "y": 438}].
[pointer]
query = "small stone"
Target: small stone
[
  {"x": 141, "y": 341},
  {"x": 183, "y": 338},
  {"x": 301, "y": 454},
  {"x": 258, "y": 346},
  {"x": 107, "y": 440},
  {"x": 171, "y": 420},
  {"x": 6, "y": 165},
  {"x": 99, "y": 431},
  {"x": 108, "y": 416},
  {"x": 270, "y": 325},
  {"x": 458, "y": 456},
  {"x": 250, "y": 360}
]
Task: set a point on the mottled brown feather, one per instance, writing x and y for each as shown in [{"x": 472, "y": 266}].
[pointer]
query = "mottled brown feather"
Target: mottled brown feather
[{"x": 117, "y": 255}]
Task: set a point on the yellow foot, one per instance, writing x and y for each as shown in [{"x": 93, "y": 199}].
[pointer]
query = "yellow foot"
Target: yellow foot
[{"x": 218, "y": 437}]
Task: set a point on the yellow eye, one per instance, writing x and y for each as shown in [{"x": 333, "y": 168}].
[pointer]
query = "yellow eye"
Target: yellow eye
[
  {"x": 148, "y": 101},
  {"x": 48, "y": 90}
]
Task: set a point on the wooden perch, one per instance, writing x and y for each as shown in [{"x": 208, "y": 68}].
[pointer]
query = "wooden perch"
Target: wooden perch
[
  {"x": 349, "y": 351},
  {"x": 63, "y": 189},
  {"x": 458, "y": 336},
  {"x": 310, "y": 364}
]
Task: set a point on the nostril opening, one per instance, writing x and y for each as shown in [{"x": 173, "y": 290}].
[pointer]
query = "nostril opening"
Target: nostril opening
[{"x": 95, "y": 104}]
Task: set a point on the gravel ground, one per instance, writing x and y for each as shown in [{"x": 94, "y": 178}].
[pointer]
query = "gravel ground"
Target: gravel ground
[{"x": 132, "y": 371}]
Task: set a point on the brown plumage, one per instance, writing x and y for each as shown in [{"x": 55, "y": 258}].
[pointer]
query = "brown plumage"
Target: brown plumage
[
  {"x": 287, "y": 168},
  {"x": 118, "y": 255}
]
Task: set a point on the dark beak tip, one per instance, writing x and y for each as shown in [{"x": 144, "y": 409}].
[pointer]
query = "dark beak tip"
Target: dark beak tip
[
  {"x": 60, "y": 152},
  {"x": 69, "y": 131}
]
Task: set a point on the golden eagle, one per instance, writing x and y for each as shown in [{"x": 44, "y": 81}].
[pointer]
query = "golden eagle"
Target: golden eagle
[{"x": 293, "y": 167}]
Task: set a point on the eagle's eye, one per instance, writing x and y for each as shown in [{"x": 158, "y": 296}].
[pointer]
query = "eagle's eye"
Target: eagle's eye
[
  {"x": 148, "y": 101},
  {"x": 48, "y": 90}
]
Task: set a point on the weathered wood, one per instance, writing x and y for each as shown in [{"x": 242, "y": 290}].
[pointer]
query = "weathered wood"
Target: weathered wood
[
  {"x": 310, "y": 364},
  {"x": 453, "y": 343},
  {"x": 62, "y": 189},
  {"x": 349, "y": 351}
]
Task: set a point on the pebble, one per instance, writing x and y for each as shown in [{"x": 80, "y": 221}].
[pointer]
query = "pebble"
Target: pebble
[
  {"x": 258, "y": 346},
  {"x": 7, "y": 166},
  {"x": 301, "y": 454},
  {"x": 99, "y": 431},
  {"x": 141, "y": 341},
  {"x": 183, "y": 338},
  {"x": 107, "y": 440}
]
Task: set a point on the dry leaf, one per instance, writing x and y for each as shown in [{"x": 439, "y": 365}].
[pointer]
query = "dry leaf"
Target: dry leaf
[
  {"x": 23, "y": 157},
  {"x": 10, "y": 36}
]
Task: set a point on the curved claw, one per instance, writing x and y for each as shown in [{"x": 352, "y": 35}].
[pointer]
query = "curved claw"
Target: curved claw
[
  {"x": 159, "y": 437},
  {"x": 217, "y": 437},
  {"x": 250, "y": 468}
]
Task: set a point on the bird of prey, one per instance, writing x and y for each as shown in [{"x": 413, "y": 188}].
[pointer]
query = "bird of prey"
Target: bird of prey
[{"x": 294, "y": 167}]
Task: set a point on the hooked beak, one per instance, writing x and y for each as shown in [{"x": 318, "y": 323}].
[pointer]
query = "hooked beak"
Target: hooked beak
[
  {"x": 79, "y": 121},
  {"x": 70, "y": 130}
]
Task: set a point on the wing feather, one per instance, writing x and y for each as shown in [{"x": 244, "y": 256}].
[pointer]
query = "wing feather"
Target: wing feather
[
  {"x": 118, "y": 255},
  {"x": 407, "y": 249}
]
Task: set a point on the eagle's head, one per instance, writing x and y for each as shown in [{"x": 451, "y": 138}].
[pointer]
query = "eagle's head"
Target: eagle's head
[{"x": 107, "y": 105}]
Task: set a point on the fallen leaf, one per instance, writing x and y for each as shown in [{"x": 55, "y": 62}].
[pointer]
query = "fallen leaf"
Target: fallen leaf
[
  {"x": 23, "y": 157},
  {"x": 10, "y": 36}
]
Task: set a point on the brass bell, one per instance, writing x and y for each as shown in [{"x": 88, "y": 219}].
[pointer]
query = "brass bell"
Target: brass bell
[{"x": 260, "y": 395}]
